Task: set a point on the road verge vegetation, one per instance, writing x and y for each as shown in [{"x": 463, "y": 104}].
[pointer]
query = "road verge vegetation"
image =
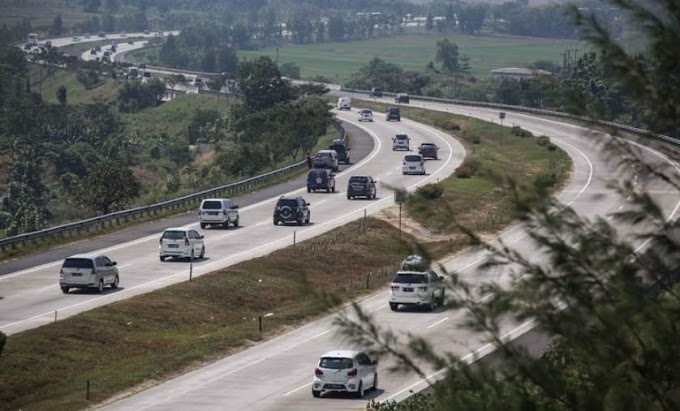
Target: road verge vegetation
[{"x": 146, "y": 339}]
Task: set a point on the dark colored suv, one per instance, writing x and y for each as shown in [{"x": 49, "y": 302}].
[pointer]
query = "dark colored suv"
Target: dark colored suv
[
  {"x": 320, "y": 179},
  {"x": 429, "y": 150},
  {"x": 376, "y": 92},
  {"x": 292, "y": 209},
  {"x": 393, "y": 113},
  {"x": 361, "y": 186},
  {"x": 342, "y": 150},
  {"x": 401, "y": 98}
]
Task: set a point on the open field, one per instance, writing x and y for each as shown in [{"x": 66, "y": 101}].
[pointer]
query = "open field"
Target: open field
[
  {"x": 41, "y": 13},
  {"x": 337, "y": 61},
  {"x": 147, "y": 339}
]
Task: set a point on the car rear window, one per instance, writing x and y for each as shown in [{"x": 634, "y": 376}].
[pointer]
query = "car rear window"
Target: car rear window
[
  {"x": 212, "y": 205},
  {"x": 413, "y": 158},
  {"x": 78, "y": 263},
  {"x": 410, "y": 278},
  {"x": 323, "y": 155},
  {"x": 287, "y": 202},
  {"x": 427, "y": 145},
  {"x": 338, "y": 148},
  {"x": 336, "y": 363},
  {"x": 402, "y": 137},
  {"x": 174, "y": 235},
  {"x": 358, "y": 179}
]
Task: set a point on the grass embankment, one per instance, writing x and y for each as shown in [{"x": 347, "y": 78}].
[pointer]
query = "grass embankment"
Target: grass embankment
[
  {"x": 160, "y": 334},
  {"x": 76, "y": 92},
  {"x": 473, "y": 197}
]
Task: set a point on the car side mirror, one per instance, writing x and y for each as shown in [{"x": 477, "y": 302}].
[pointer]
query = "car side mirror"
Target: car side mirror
[
  {"x": 374, "y": 362},
  {"x": 235, "y": 207},
  {"x": 200, "y": 237},
  {"x": 114, "y": 263}
]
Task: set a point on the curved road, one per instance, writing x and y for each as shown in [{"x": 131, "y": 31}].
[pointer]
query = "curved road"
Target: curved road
[
  {"x": 250, "y": 380},
  {"x": 31, "y": 296}
]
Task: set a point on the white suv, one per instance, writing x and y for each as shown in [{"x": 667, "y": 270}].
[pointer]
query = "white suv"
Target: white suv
[
  {"x": 365, "y": 115},
  {"x": 413, "y": 164},
  {"x": 218, "y": 211},
  {"x": 401, "y": 142},
  {"x": 345, "y": 371},
  {"x": 416, "y": 288},
  {"x": 88, "y": 271},
  {"x": 181, "y": 243}
]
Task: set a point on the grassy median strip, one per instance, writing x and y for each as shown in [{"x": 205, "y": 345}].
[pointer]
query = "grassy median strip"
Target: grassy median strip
[{"x": 152, "y": 337}]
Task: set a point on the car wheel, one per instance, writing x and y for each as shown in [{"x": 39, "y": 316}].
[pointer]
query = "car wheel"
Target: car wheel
[
  {"x": 115, "y": 282},
  {"x": 333, "y": 188},
  {"x": 236, "y": 222},
  {"x": 276, "y": 222},
  {"x": 100, "y": 286},
  {"x": 65, "y": 290},
  {"x": 309, "y": 216},
  {"x": 162, "y": 258},
  {"x": 360, "y": 390},
  {"x": 328, "y": 190},
  {"x": 300, "y": 221},
  {"x": 375, "y": 382},
  {"x": 203, "y": 226},
  {"x": 309, "y": 190},
  {"x": 349, "y": 197},
  {"x": 394, "y": 306},
  {"x": 316, "y": 394},
  {"x": 191, "y": 256},
  {"x": 202, "y": 253},
  {"x": 226, "y": 224},
  {"x": 441, "y": 298}
]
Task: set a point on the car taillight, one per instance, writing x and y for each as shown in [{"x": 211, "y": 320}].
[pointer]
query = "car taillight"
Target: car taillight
[
  {"x": 424, "y": 288},
  {"x": 394, "y": 288},
  {"x": 318, "y": 373},
  {"x": 160, "y": 241},
  {"x": 352, "y": 373},
  {"x": 224, "y": 212},
  {"x": 186, "y": 241}
]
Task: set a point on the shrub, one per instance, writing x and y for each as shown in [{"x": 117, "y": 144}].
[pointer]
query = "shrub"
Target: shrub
[
  {"x": 520, "y": 132},
  {"x": 543, "y": 141},
  {"x": 430, "y": 191},
  {"x": 545, "y": 181},
  {"x": 447, "y": 124},
  {"x": 3, "y": 340},
  {"x": 468, "y": 169}
]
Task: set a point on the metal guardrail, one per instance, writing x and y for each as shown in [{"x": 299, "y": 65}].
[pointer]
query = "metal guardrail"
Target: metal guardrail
[
  {"x": 537, "y": 111},
  {"x": 113, "y": 219}
]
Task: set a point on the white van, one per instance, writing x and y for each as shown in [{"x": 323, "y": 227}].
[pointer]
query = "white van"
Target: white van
[
  {"x": 218, "y": 211},
  {"x": 413, "y": 164},
  {"x": 344, "y": 103}
]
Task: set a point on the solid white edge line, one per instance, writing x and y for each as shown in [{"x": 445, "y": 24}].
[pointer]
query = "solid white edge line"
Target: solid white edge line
[{"x": 437, "y": 323}]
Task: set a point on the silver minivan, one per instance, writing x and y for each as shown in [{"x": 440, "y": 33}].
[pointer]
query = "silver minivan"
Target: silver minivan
[
  {"x": 88, "y": 271},
  {"x": 218, "y": 211}
]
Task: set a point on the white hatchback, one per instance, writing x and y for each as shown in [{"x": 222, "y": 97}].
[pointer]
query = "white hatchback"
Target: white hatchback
[
  {"x": 413, "y": 164},
  {"x": 345, "y": 371},
  {"x": 181, "y": 242}
]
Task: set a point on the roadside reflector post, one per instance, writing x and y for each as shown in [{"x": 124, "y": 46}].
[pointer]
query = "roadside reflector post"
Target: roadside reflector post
[
  {"x": 259, "y": 323},
  {"x": 87, "y": 390},
  {"x": 191, "y": 267},
  {"x": 55, "y": 316},
  {"x": 294, "y": 238}
]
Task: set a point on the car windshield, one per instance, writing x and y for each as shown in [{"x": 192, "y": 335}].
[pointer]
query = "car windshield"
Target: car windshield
[
  {"x": 413, "y": 159},
  {"x": 336, "y": 363},
  {"x": 287, "y": 202},
  {"x": 174, "y": 235},
  {"x": 402, "y": 137},
  {"x": 358, "y": 179},
  {"x": 78, "y": 263},
  {"x": 410, "y": 278},
  {"x": 212, "y": 205},
  {"x": 323, "y": 155},
  {"x": 338, "y": 148},
  {"x": 427, "y": 145}
]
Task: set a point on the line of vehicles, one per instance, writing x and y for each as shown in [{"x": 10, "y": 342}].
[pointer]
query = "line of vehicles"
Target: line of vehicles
[{"x": 345, "y": 371}]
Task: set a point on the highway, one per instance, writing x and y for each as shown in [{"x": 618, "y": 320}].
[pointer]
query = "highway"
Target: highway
[
  {"x": 276, "y": 375},
  {"x": 32, "y": 295}
]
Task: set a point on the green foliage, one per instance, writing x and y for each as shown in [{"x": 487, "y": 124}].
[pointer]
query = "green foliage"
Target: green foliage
[
  {"x": 108, "y": 187},
  {"x": 520, "y": 132},
  {"x": 448, "y": 124},
  {"x": 135, "y": 95},
  {"x": 416, "y": 402},
  {"x": 447, "y": 55},
  {"x": 431, "y": 191},
  {"x": 261, "y": 84},
  {"x": 543, "y": 141},
  {"x": 290, "y": 70},
  {"x": 62, "y": 95}
]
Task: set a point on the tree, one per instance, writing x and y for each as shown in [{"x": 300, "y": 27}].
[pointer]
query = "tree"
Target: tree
[
  {"x": 261, "y": 84},
  {"x": 472, "y": 17},
  {"x": 290, "y": 70},
  {"x": 609, "y": 304},
  {"x": 447, "y": 55},
  {"x": 91, "y": 6},
  {"x": 61, "y": 95},
  {"x": 55, "y": 29},
  {"x": 108, "y": 187},
  {"x": 429, "y": 21}
]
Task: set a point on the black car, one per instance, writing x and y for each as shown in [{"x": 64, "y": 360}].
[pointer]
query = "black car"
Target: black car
[
  {"x": 320, "y": 179},
  {"x": 342, "y": 150},
  {"x": 401, "y": 98},
  {"x": 393, "y": 113},
  {"x": 376, "y": 92},
  {"x": 361, "y": 186},
  {"x": 291, "y": 209}
]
